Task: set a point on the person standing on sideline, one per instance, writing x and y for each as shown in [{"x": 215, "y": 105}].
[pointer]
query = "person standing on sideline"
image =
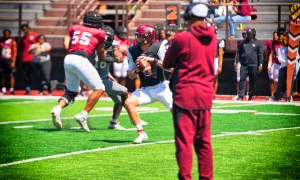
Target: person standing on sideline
[
  {"x": 153, "y": 87},
  {"x": 85, "y": 39},
  {"x": 192, "y": 54},
  {"x": 282, "y": 56},
  {"x": 8, "y": 58},
  {"x": 237, "y": 66},
  {"x": 120, "y": 69},
  {"x": 218, "y": 62},
  {"x": 42, "y": 63},
  {"x": 250, "y": 58},
  {"x": 273, "y": 64},
  {"x": 28, "y": 39}
]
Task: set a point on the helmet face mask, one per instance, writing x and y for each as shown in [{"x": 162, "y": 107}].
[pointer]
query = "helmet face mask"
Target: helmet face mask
[
  {"x": 93, "y": 19},
  {"x": 109, "y": 36},
  {"x": 121, "y": 32},
  {"x": 144, "y": 34}
]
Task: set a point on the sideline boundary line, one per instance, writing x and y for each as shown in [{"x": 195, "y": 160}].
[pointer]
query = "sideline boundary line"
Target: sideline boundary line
[{"x": 133, "y": 145}]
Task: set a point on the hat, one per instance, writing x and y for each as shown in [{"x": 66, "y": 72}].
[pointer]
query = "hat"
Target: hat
[{"x": 200, "y": 10}]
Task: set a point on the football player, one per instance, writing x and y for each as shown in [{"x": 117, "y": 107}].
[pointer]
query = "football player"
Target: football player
[
  {"x": 85, "y": 39},
  {"x": 153, "y": 87},
  {"x": 113, "y": 89}
]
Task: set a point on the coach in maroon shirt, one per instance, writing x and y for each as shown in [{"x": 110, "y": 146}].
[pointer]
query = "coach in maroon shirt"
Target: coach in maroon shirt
[{"x": 192, "y": 55}]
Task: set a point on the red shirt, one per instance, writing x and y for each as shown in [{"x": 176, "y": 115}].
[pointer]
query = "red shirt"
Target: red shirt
[
  {"x": 27, "y": 41},
  {"x": 193, "y": 61},
  {"x": 244, "y": 10},
  {"x": 274, "y": 48},
  {"x": 85, "y": 38},
  {"x": 7, "y": 47},
  {"x": 268, "y": 45},
  {"x": 124, "y": 44}
]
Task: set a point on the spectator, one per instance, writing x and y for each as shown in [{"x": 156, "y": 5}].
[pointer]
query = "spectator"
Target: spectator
[
  {"x": 218, "y": 62},
  {"x": 221, "y": 11},
  {"x": 243, "y": 14},
  {"x": 157, "y": 28},
  {"x": 120, "y": 69},
  {"x": 250, "y": 58},
  {"x": 8, "y": 58},
  {"x": 86, "y": 39},
  {"x": 28, "y": 39},
  {"x": 153, "y": 87},
  {"x": 162, "y": 34},
  {"x": 191, "y": 54},
  {"x": 170, "y": 34},
  {"x": 213, "y": 9},
  {"x": 237, "y": 68},
  {"x": 42, "y": 63},
  {"x": 273, "y": 63},
  {"x": 281, "y": 54}
]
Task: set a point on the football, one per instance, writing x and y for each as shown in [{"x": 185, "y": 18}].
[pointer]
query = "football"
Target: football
[{"x": 145, "y": 67}]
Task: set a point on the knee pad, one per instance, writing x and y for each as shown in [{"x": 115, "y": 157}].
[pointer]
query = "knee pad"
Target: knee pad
[
  {"x": 69, "y": 96},
  {"x": 124, "y": 96}
]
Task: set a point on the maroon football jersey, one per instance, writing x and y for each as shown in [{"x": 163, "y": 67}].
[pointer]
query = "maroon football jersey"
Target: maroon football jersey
[{"x": 85, "y": 38}]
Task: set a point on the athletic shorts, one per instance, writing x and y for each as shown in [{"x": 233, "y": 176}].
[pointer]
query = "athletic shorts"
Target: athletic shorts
[
  {"x": 5, "y": 65},
  {"x": 113, "y": 89},
  {"x": 160, "y": 92},
  {"x": 274, "y": 72},
  {"x": 120, "y": 69},
  {"x": 79, "y": 68},
  {"x": 216, "y": 64}
]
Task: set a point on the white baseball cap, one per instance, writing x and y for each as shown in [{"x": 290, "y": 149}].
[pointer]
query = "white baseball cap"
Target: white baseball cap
[{"x": 200, "y": 10}]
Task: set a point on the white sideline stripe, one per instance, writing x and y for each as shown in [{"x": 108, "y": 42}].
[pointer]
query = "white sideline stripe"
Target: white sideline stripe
[
  {"x": 279, "y": 114},
  {"x": 156, "y": 111},
  {"x": 69, "y": 118},
  {"x": 8, "y": 97},
  {"x": 133, "y": 145},
  {"x": 22, "y": 127}
]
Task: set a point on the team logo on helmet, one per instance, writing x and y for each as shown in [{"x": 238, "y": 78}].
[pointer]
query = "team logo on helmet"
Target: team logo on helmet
[{"x": 147, "y": 31}]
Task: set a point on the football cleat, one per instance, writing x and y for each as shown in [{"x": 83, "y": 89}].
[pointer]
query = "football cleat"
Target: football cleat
[
  {"x": 82, "y": 120},
  {"x": 55, "y": 114},
  {"x": 141, "y": 137}
]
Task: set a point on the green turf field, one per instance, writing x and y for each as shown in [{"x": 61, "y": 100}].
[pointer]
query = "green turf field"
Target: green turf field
[{"x": 251, "y": 140}]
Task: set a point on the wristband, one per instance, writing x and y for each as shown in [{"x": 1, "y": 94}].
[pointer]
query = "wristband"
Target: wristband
[{"x": 154, "y": 61}]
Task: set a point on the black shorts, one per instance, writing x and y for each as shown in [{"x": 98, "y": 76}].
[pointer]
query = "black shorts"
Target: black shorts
[{"x": 5, "y": 65}]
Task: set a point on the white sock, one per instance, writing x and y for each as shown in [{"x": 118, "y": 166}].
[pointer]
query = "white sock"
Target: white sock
[
  {"x": 58, "y": 108},
  {"x": 139, "y": 127},
  {"x": 113, "y": 120},
  {"x": 85, "y": 113}
]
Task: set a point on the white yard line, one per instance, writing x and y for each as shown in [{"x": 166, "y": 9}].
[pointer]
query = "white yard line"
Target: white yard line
[
  {"x": 133, "y": 145},
  {"x": 72, "y": 118}
]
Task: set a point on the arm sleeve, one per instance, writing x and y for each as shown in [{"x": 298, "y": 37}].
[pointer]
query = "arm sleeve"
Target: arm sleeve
[{"x": 131, "y": 64}]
